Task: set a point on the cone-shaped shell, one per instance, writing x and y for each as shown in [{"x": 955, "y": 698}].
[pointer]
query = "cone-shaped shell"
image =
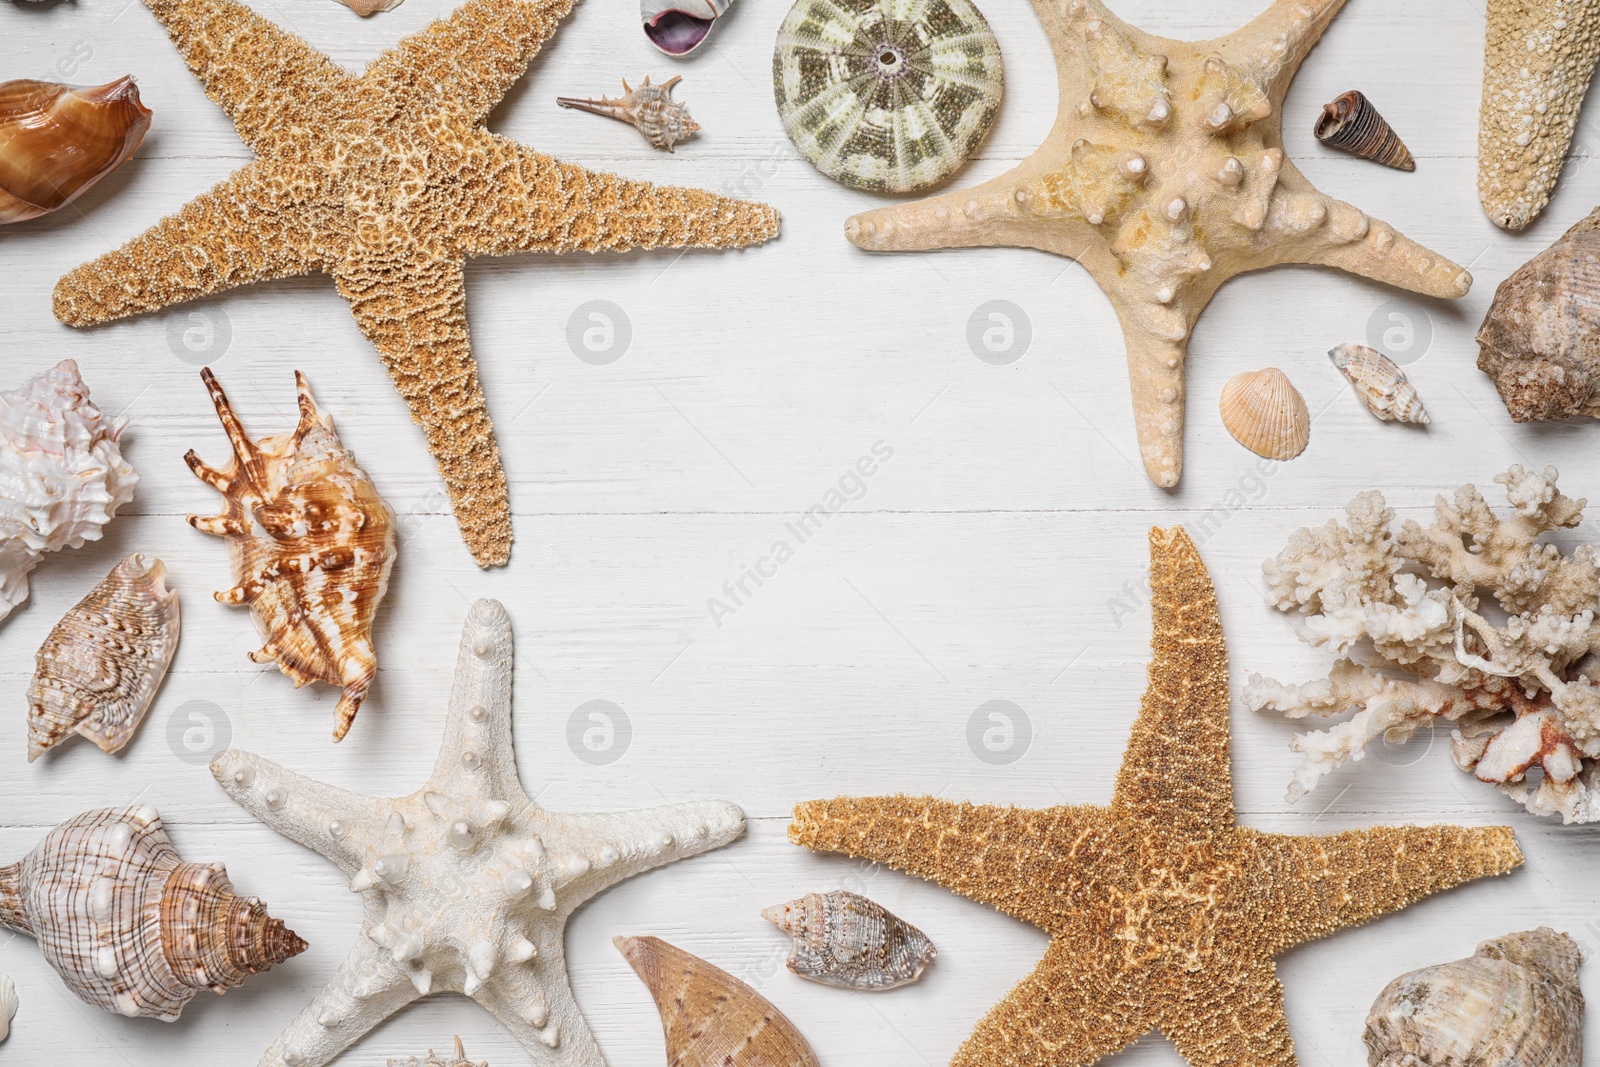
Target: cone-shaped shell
[
  {"x": 845, "y": 940},
  {"x": 711, "y": 1019},
  {"x": 56, "y": 142},
  {"x": 129, "y": 926},
  {"x": 1351, "y": 123},
  {"x": 311, "y": 543},
  {"x": 1514, "y": 1003},
  {"x": 100, "y": 667},
  {"x": 1266, "y": 413},
  {"x": 1380, "y": 384}
]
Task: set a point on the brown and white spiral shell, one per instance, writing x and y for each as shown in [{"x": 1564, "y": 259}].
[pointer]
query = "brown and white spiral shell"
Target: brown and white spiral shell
[
  {"x": 1380, "y": 384},
  {"x": 101, "y": 665},
  {"x": 127, "y": 924},
  {"x": 1265, "y": 412},
  {"x": 846, "y": 940},
  {"x": 311, "y": 543},
  {"x": 56, "y": 142},
  {"x": 649, "y": 109},
  {"x": 1351, "y": 123}
]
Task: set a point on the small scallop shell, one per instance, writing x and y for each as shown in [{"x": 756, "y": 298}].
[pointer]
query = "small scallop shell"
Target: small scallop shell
[
  {"x": 1351, "y": 123},
  {"x": 460, "y": 1059},
  {"x": 1380, "y": 384},
  {"x": 845, "y": 940},
  {"x": 8, "y": 1005},
  {"x": 56, "y": 142},
  {"x": 100, "y": 667},
  {"x": 1266, "y": 413}
]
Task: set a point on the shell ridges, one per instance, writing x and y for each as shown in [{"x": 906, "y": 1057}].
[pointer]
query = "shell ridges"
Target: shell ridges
[
  {"x": 1266, "y": 413},
  {"x": 1380, "y": 384},
  {"x": 846, "y": 940}
]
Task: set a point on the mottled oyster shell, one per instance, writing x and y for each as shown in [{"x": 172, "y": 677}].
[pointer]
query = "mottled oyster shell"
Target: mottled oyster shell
[{"x": 846, "y": 940}]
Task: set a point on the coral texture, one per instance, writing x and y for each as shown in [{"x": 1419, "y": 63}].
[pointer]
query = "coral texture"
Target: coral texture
[
  {"x": 1163, "y": 911},
  {"x": 1522, "y": 694},
  {"x": 1165, "y": 176},
  {"x": 467, "y": 885},
  {"x": 387, "y": 181}
]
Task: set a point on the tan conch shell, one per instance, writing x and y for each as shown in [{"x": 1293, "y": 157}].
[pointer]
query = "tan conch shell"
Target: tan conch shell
[
  {"x": 710, "y": 1018},
  {"x": 311, "y": 543},
  {"x": 1265, "y": 412},
  {"x": 129, "y": 926},
  {"x": 56, "y": 142},
  {"x": 62, "y": 475},
  {"x": 1513, "y": 1003},
  {"x": 8, "y": 1004},
  {"x": 100, "y": 667},
  {"x": 460, "y": 1059},
  {"x": 1380, "y": 384},
  {"x": 845, "y": 940},
  {"x": 649, "y": 109},
  {"x": 1351, "y": 123}
]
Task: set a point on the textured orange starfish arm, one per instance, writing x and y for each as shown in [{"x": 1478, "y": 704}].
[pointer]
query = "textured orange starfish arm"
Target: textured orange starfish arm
[
  {"x": 1176, "y": 770},
  {"x": 237, "y": 233},
  {"x": 415, "y": 312},
  {"x": 1229, "y": 1015},
  {"x": 264, "y": 77}
]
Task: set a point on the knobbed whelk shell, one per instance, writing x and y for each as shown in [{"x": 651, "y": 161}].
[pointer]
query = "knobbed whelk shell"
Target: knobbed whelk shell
[
  {"x": 710, "y": 1018},
  {"x": 1266, "y": 413},
  {"x": 460, "y": 1059},
  {"x": 1513, "y": 1003},
  {"x": 62, "y": 475},
  {"x": 100, "y": 667},
  {"x": 1380, "y": 384},
  {"x": 56, "y": 142},
  {"x": 311, "y": 543},
  {"x": 845, "y": 940},
  {"x": 649, "y": 109},
  {"x": 8, "y": 1004},
  {"x": 129, "y": 926},
  {"x": 1351, "y": 123},
  {"x": 678, "y": 27}
]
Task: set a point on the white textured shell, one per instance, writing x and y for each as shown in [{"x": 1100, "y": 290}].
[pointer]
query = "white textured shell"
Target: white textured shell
[
  {"x": 8, "y": 1004},
  {"x": 1513, "y": 1003},
  {"x": 1380, "y": 384},
  {"x": 459, "y": 1060},
  {"x": 62, "y": 475},
  {"x": 846, "y": 940},
  {"x": 678, "y": 27},
  {"x": 101, "y": 665},
  {"x": 649, "y": 109},
  {"x": 1265, "y": 412}
]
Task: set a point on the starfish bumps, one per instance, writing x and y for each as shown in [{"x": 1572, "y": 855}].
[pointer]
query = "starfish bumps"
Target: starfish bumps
[
  {"x": 1165, "y": 176},
  {"x": 466, "y": 884},
  {"x": 388, "y": 181},
  {"x": 1164, "y": 913}
]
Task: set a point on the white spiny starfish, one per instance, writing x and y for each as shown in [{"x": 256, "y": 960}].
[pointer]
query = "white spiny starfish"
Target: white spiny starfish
[
  {"x": 1165, "y": 176},
  {"x": 467, "y": 884}
]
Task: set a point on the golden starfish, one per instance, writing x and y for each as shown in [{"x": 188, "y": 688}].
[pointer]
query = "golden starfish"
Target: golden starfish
[
  {"x": 1164, "y": 175},
  {"x": 1163, "y": 912},
  {"x": 388, "y": 182}
]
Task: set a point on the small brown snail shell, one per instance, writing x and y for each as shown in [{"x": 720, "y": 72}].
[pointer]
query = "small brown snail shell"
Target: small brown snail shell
[{"x": 56, "y": 142}]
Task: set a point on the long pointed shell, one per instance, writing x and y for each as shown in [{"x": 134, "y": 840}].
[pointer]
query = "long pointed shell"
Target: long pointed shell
[
  {"x": 311, "y": 543},
  {"x": 8, "y": 1004},
  {"x": 845, "y": 940},
  {"x": 56, "y": 142},
  {"x": 649, "y": 109},
  {"x": 1513, "y": 1003},
  {"x": 129, "y": 926},
  {"x": 100, "y": 667},
  {"x": 1380, "y": 384},
  {"x": 711, "y": 1019},
  {"x": 678, "y": 27},
  {"x": 1265, "y": 412},
  {"x": 1351, "y": 123}
]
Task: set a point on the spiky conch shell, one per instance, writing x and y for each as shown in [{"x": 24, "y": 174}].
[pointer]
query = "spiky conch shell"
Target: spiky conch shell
[
  {"x": 1380, "y": 384},
  {"x": 1265, "y": 412},
  {"x": 844, "y": 939},
  {"x": 127, "y": 924},
  {"x": 649, "y": 109},
  {"x": 62, "y": 475},
  {"x": 311, "y": 543},
  {"x": 709, "y": 1017},
  {"x": 56, "y": 142},
  {"x": 100, "y": 667}
]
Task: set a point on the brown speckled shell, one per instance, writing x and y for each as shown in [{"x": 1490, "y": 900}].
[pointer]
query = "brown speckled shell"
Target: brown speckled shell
[
  {"x": 311, "y": 543},
  {"x": 843, "y": 939},
  {"x": 56, "y": 142}
]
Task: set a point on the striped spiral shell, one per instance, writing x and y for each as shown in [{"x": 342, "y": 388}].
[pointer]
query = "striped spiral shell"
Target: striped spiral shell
[
  {"x": 843, "y": 939},
  {"x": 1380, "y": 384},
  {"x": 1265, "y": 412},
  {"x": 1351, "y": 123}
]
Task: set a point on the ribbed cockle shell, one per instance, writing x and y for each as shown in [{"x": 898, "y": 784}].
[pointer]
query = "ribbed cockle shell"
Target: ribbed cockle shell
[
  {"x": 1380, "y": 384},
  {"x": 1265, "y": 412},
  {"x": 845, "y": 940},
  {"x": 650, "y": 109},
  {"x": 56, "y": 142},
  {"x": 1351, "y": 122},
  {"x": 711, "y": 1019},
  {"x": 100, "y": 667},
  {"x": 129, "y": 926},
  {"x": 311, "y": 543}
]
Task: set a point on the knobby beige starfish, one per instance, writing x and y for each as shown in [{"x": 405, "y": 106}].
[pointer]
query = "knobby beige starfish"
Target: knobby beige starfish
[
  {"x": 1165, "y": 176},
  {"x": 1164, "y": 912},
  {"x": 388, "y": 182}
]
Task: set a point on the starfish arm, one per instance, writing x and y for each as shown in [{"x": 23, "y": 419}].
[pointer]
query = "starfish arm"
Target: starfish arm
[
  {"x": 367, "y": 989},
  {"x": 1176, "y": 769},
  {"x": 536, "y": 1004},
  {"x": 414, "y": 311},
  {"x": 1075, "y": 1008},
  {"x": 1321, "y": 884},
  {"x": 985, "y": 216},
  {"x": 323, "y": 818},
  {"x": 592, "y": 853},
  {"x": 1230, "y": 1015},
  {"x": 533, "y": 203},
  {"x": 240, "y": 232},
  {"x": 1272, "y": 46},
  {"x": 1155, "y": 378},
  {"x": 264, "y": 77},
  {"x": 476, "y": 757},
  {"x": 1003, "y": 857}
]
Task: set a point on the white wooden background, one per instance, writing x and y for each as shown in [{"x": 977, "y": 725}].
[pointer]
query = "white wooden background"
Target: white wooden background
[{"x": 982, "y": 564}]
